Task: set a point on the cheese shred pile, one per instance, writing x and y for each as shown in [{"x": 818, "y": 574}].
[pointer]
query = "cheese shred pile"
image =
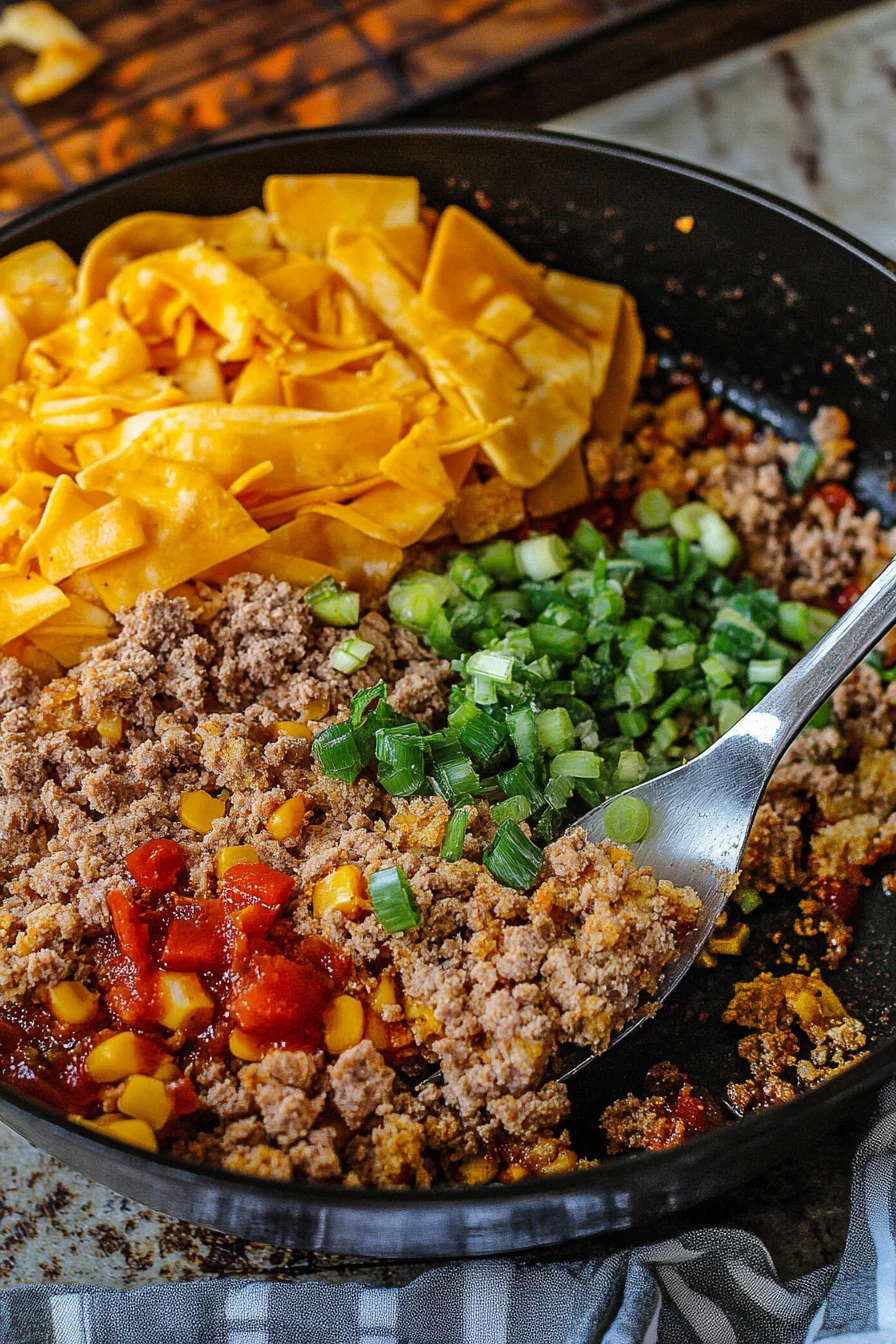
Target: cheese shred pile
[{"x": 302, "y": 391}]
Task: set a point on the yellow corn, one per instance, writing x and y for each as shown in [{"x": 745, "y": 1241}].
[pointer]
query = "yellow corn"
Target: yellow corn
[
  {"x": 565, "y": 1160},
  {"x": 287, "y": 821},
  {"x": 292, "y": 728},
  {"x": 427, "y": 1022},
  {"x": 70, "y": 1001},
  {"x": 316, "y": 709},
  {"x": 343, "y": 890},
  {"x": 167, "y": 1071},
  {"x": 110, "y": 729},
  {"x": 376, "y": 1031},
  {"x": 731, "y": 943},
  {"x": 384, "y": 995},
  {"x": 231, "y": 855},
  {"x": 244, "y": 1046},
  {"x": 199, "y": 809},
  {"x": 183, "y": 1004},
  {"x": 117, "y": 1057},
  {"x": 515, "y": 1172},
  {"x": 146, "y": 1099},
  {"x": 343, "y": 1024},
  {"x": 136, "y": 1132},
  {"x": 478, "y": 1170}
]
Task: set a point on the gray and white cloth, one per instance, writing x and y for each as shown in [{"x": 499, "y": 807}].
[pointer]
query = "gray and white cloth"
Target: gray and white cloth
[{"x": 715, "y": 1286}]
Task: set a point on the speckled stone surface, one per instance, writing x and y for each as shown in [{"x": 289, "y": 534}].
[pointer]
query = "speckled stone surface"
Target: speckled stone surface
[{"x": 812, "y": 117}]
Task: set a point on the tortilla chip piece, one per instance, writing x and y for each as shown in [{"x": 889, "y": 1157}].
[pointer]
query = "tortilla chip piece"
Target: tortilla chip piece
[
  {"x": 297, "y": 281},
  {"x": 594, "y": 310},
  {"x": 66, "y": 505},
  {"x": 240, "y": 235},
  {"x": 469, "y": 265},
  {"x": 99, "y": 346},
  {"x": 384, "y": 288},
  {"x": 392, "y": 378},
  {"x": 190, "y": 522},
  {"x": 70, "y": 635},
  {"x": 13, "y": 340},
  {"x": 307, "y": 448},
  {"x": 416, "y": 463},
  {"x": 273, "y": 563},
  {"x": 107, "y": 532},
  {"x": 623, "y": 374},
  {"x": 389, "y": 512},
  {"x": 25, "y": 601},
  {"x": 504, "y": 317},
  {"x": 485, "y": 508},
  {"x": 311, "y": 363},
  {"x": 565, "y": 488},
  {"x": 72, "y": 408},
  {"x": 549, "y": 356},
  {"x": 305, "y": 208},
  {"x": 258, "y": 384},
  {"x": 199, "y": 378},
  {"x": 232, "y": 303},
  {"x": 359, "y": 560},
  {"x": 38, "y": 281}
]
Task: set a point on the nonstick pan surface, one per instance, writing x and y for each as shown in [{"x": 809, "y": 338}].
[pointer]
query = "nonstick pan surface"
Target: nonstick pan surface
[{"x": 768, "y": 307}]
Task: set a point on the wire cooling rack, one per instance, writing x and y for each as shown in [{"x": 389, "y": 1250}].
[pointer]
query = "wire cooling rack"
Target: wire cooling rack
[{"x": 183, "y": 72}]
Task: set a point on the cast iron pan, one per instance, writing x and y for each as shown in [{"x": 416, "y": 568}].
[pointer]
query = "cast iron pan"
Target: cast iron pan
[{"x": 772, "y": 308}]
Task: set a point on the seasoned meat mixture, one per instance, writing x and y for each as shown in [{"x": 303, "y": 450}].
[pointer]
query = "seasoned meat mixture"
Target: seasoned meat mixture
[{"x": 292, "y": 1057}]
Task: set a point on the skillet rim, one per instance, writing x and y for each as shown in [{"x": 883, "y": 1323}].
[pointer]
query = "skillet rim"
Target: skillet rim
[{"x": 870, "y": 1071}]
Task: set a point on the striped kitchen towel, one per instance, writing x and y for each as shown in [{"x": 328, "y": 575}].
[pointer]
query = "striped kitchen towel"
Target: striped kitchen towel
[{"x": 716, "y": 1286}]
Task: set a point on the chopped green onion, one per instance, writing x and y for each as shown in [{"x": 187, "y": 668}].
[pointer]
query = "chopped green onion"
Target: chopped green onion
[
  {"x": 453, "y": 839},
  {"x": 719, "y": 670},
  {"x": 804, "y": 625},
  {"x": 416, "y": 601},
  {"x": 716, "y": 539},
  {"x": 577, "y": 764},
  {"x": 748, "y": 899},
  {"x": 631, "y": 768},
  {"x": 512, "y": 858},
  {"x": 478, "y": 732},
  {"x": 652, "y": 509},
  {"x": 498, "y": 559},
  {"x": 337, "y": 752},
  {"x": 521, "y": 780},
  {"x": 351, "y": 655},
  {"x": 555, "y": 730},
  {"x": 736, "y": 634},
  {"x": 543, "y": 557},
  {"x": 765, "y": 671},
  {"x": 588, "y": 543},
  {"x": 730, "y": 713},
  {"x": 665, "y": 734},
  {"x": 632, "y": 722},
  {"x": 558, "y": 792},
  {"x": 679, "y": 657},
  {"x": 524, "y": 731},
  {"x": 491, "y": 666},
  {"x": 393, "y": 900},
  {"x": 399, "y": 751},
  {"x": 626, "y": 820},
  {"x": 517, "y": 808},
  {"x": 803, "y": 467},
  {"x": 332, "y": 605},
  {"x": 556, "y": 641},
  {"x": 686, "y": 520},
  {"x": 469, "y": 576},
  {"x": 485, "y": 691},
  {"x": 656, "y": 554}
]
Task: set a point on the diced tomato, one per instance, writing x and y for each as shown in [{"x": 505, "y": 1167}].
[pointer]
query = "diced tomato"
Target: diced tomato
[
  {"x": 196, "y": 938},
  {"x": 183, "y": 1094},
  {"x": 334, "y": 963},
  {"x": 256, "y": 884},
  {"x": 841, "y": 897},
  {"x": 156, "y": 865},
  {"x": 131, "y": 931},
  {"x": 835, "y": 496},
  {"x": 691, "y": 1111},
  {"x": 282, "y": 1000},
  {"x": 845, "y": 598},
  {"x": 254, "y": 920},
  {"x": 716, "y": 433}
]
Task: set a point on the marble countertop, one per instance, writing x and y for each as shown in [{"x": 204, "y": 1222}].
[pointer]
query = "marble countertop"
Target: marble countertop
[{"x": 812, "y": 117}]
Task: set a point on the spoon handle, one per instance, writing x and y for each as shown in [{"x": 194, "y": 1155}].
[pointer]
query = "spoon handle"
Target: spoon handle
[{"x": 765, "y": 733}]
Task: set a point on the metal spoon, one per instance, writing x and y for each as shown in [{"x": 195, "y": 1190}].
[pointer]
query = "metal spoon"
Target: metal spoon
[{"x": 701, "y": 813}]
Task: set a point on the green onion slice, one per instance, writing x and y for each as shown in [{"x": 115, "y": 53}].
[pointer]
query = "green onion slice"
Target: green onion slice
[
  {"x": 332, "y": 605},
  {"x": 393, "y": 900},
  {"x": 453, "y": 839},
  {"x": 543, "y": 557},
  {"x": 626, "y": 820},
  {"x": 577, "y": 764},
  {"x": 803, "y": 467},
  {"x": 512, "y": 858},
  {"x": 652, "y": 509},
  {"x": 337, "y": 752},
  {"x": 351, "y": 655}
]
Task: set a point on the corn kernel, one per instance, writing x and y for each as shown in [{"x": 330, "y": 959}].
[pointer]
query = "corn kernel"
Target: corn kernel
[
  {"x": 377, "y": 1032},
  {"x": 292, "y": 728},
  {"x": 478, "y": 1170},
  {"x": 182, "y": 1003},
  {"x": 384, "y": 995},
  {"x": 427, "y": 1022},
  {"x": 110, "y": 729},
  {"x": 199, "y": 809},
  {"x": 231, "y": 855},
  {"x": 136, "y": 1132},
  {"x": 731, "y": 943},
  {"x": 343, "y": 1024},
  {"x": 167, "y": 1071},
  {"x": 565, "y": 1160},
  {"x": 118, "y": 1057},
  {"x": 146, "y": 1099},
  {"x": 70, "y": 1001},
  {"x": 343, "y": 890},
  {"x": 287, "y": 821},
  {"x": 316, "y": 709},
  {"x": 515, "y": 1172},
  {"x": 244, "y": 1046}
]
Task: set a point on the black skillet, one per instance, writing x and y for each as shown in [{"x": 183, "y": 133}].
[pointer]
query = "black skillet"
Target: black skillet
[{"x": 766, "y": 305}]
